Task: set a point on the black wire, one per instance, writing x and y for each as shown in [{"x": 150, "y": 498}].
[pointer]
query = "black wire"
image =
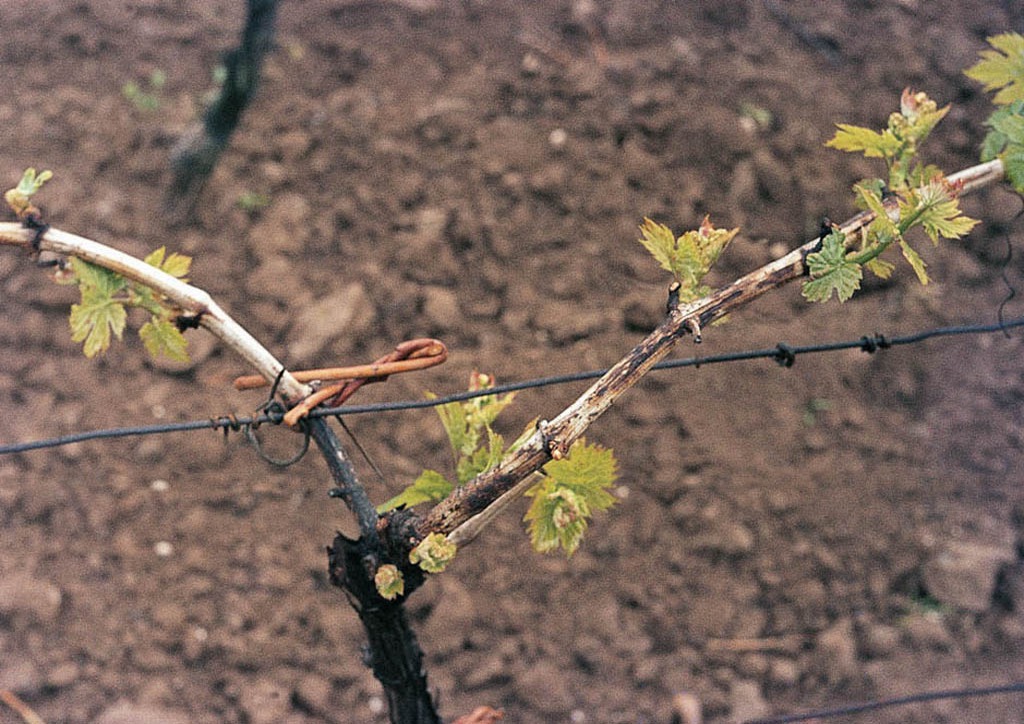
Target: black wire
[
  {"x": 1011, "y": 291},
  {"x": 1014, "y": 688},
  {"x": 782, "y": 353}
]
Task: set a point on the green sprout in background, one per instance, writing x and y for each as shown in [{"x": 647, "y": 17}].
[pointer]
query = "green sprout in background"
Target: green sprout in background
[{"x": 148, "y": 98}]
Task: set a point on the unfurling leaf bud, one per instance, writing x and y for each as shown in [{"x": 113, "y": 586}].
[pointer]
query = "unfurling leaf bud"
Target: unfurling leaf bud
[
  {"x": 433, "y": 554},
  {"x": 389, "y": 582}
]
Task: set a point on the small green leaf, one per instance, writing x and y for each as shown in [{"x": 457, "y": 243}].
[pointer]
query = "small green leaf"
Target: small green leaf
[
  {"x": 572, "y": 490},
  {"x": 1002, "y": 68},
  {"x": 882, "y": 229},
  {"x": 18, "y": 197},
  {"x": 484, "y": 458},
  {"x": 453, "y": 419},
  {"x": 857, "y": 139},
  {"x": 31, "y": 182},
  {"x": 468, "y": 424},
  {"x": 1005, "y": 140},
  {"x": 871, "y": 200},
  {"x": 689, "y": 257},
  {"x": 880, "y": 267},
  {"x": 936, "y": 209},
  {"x": 831, "y": 271},
  {"x": 1008, "y": 123},
  {"x": 659, "y": 240},
  {"x": 177, "y": 265},
  {"x": 897, "y": 144},
  {"x": 429, "y": 487},
  {"x": 389, "y": 582},
  {"x": 433, "y": 554},
  {"x": 1006, "y": 128},
  {"x": 93, "y": 321},
  {"x": 92, "y": 277},
  {"x": 915, "y": 261},
  {"x": 161, "y": 337},
  {"x": 1014, "y": 164}
]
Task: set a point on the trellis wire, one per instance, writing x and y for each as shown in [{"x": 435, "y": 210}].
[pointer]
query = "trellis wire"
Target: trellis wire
[
  {"x": 860, "y": 708},
  {"x": 782, "y": 353}
]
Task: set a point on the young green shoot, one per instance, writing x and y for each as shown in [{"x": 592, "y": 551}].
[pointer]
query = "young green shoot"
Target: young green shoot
[
  {"x": 688, "y": 257},
  {"x": 1002, "y": 69},
  {"x": 473, "y": 441},
  {"x": 145, "y": 100},
  {"x": 389, "y": 582},
  {"x": 913, "y": 196},
  {"x": 19, "y": 198},
  {"x": 568, "y": 495},
  {"x": 898, "y": 143},
  {"x": 565, "y": 498},
  {"x": 433, "y": 554},
  {"x": 106, "y": 295}
]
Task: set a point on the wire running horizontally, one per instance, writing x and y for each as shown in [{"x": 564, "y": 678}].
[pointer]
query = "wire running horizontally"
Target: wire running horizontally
[
  {"x": 862, "y": 707},
  {"x": 782, "y": 353}
]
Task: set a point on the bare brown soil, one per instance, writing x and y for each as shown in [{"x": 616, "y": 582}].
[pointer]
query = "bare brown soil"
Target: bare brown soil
[{"x": 476, "y": 171}]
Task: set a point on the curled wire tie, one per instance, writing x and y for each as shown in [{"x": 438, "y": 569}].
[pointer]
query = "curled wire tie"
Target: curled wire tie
[
  {"x": 274, "y": 412},
  {"x": 252, "y": 439},
  {"x": 270, "y": 411}
]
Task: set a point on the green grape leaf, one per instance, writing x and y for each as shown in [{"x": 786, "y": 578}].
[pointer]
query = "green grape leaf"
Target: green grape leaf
[
  {"x": 389, "y": 582},
  {"x": 1005, "y": 140},
  {"x": 688, "y": 257},
  {"x": 880, "y": 267},
  {"x": 1002, "y": 68},
  {"x": 433, "y": 554},
  {"x": 468, "y": 425},
  {"x": 1006, "y": 130},
  {"x": 100, "y": 313},
  {"x": 481, "y": 459},
  {"x": 898, "y": 142},
  {"x": 915, "y": 261},
  {"x": 831, "y": 271},
  {"x": 993, "y": 145},
  {"x": 161, "y": 337},
  {"x": 868, "y": 197},
  {"x": 92, "y": 277},
  {"x": 177, "y": 265},
  {"x": 1009, "y": 122},
  {"x": 467, "y": 422},
  {"x": 453, "y": 419},
  {"x": 1014, "y": 164},
  {"x": 857, "y": 139},
  {"x": 572, "y": 490},
  {"x": 936, "y": 209},
  {"x": 659, "y": 240},
  {"x": 429, "y": 487},
  {"x": 94, "y": 319}
]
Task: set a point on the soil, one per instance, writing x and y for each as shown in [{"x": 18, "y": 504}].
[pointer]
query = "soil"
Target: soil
[{"x": 786, "y": 539}]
